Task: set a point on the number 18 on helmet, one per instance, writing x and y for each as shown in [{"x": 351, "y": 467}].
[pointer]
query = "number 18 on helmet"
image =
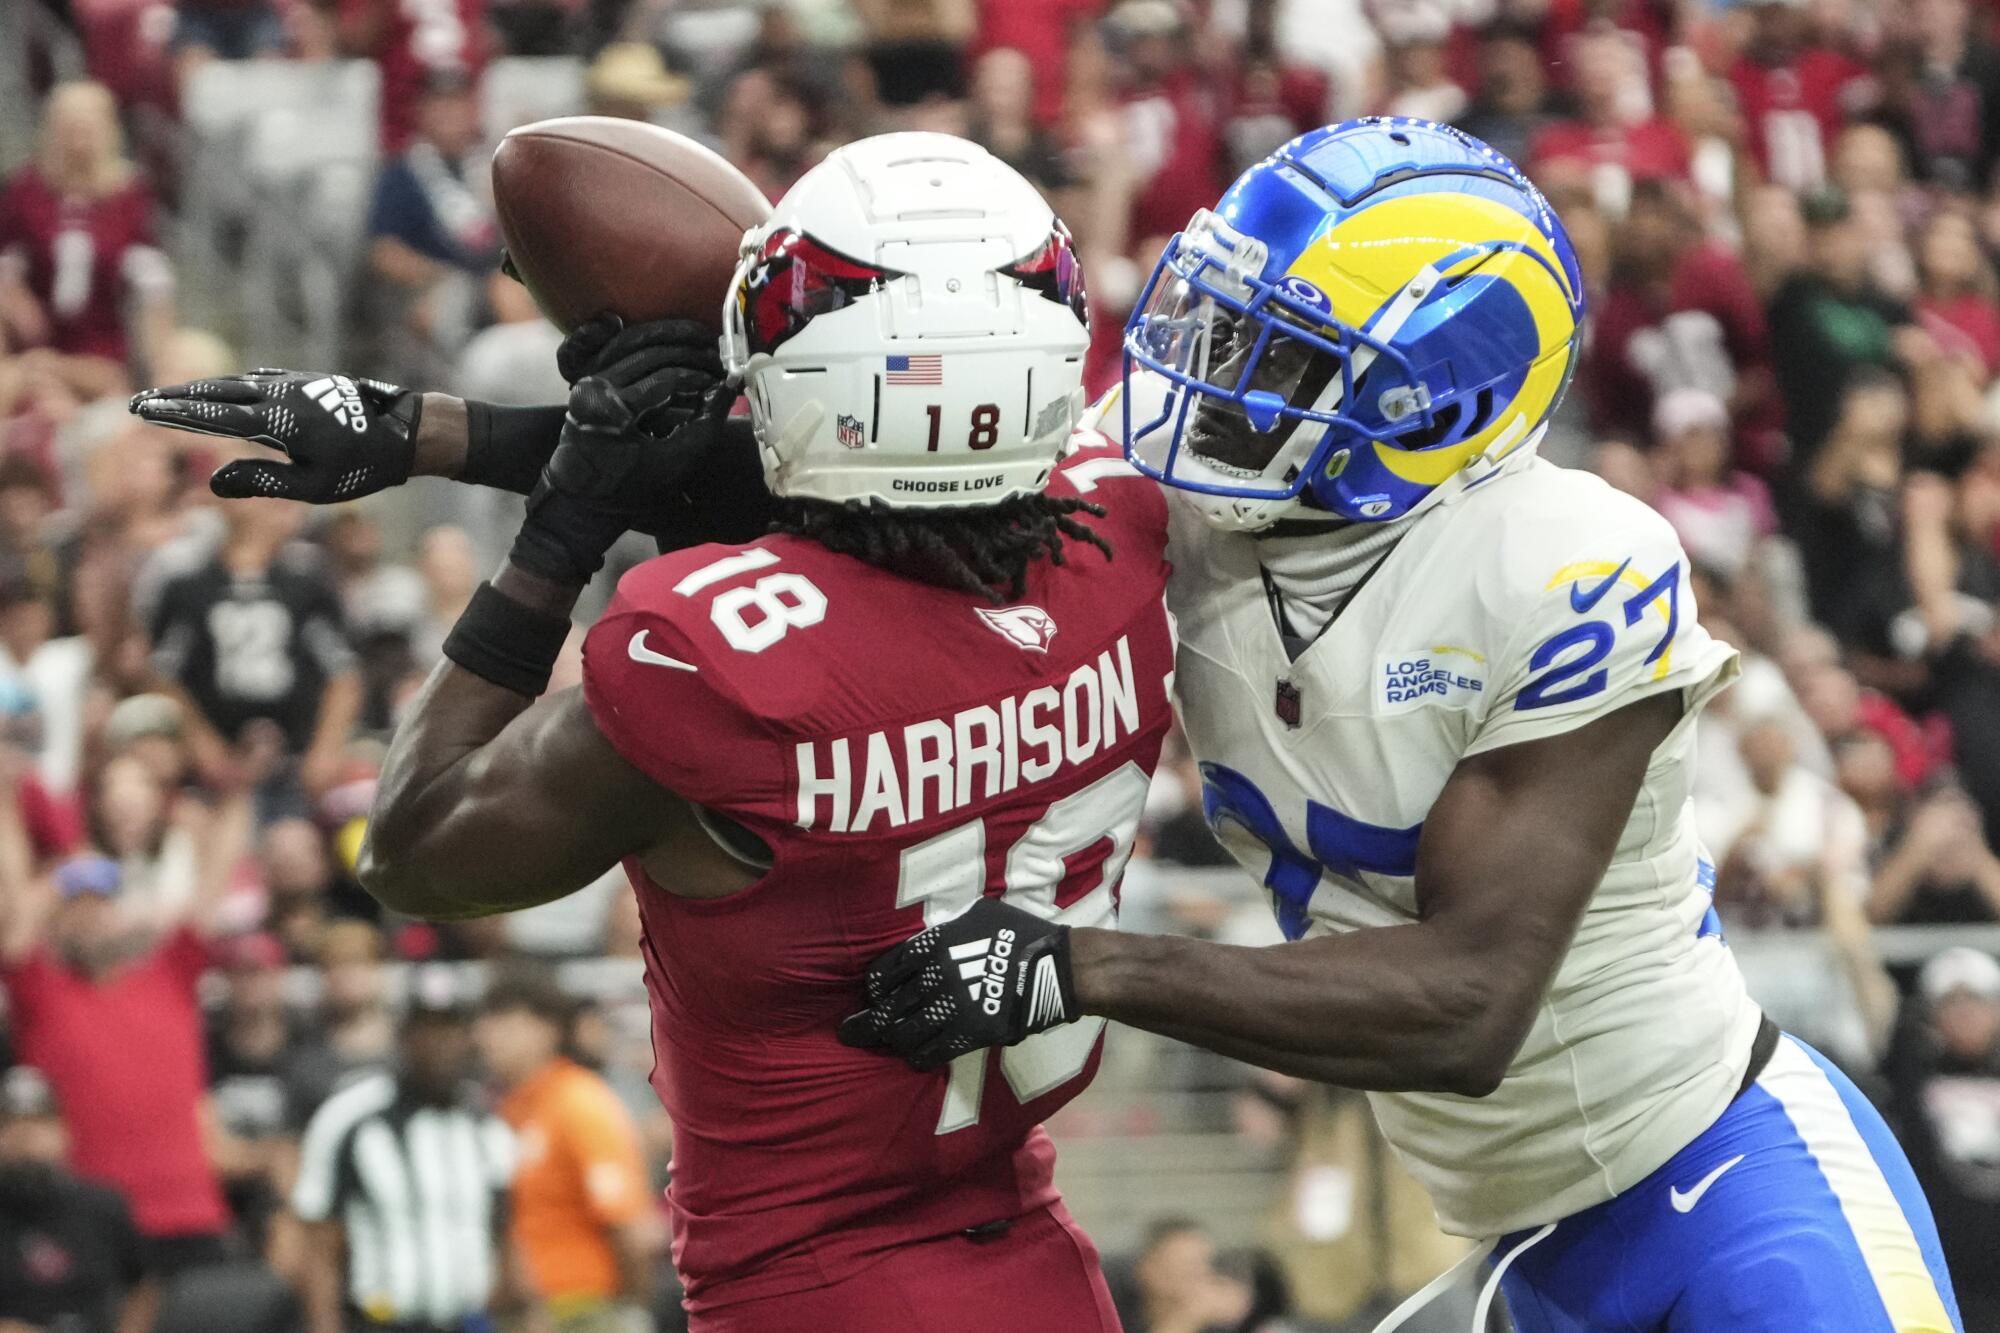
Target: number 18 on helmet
[{"x": 909, "y": 326}]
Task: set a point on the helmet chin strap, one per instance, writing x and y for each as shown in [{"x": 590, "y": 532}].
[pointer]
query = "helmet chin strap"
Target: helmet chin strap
[
  {"x": 1312, "y": 566},
  {"x": 783, "y": 445},
  {"x": 1300, "y": 516}
]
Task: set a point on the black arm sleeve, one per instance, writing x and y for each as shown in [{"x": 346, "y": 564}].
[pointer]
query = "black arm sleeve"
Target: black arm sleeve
[
  {"x": 722, "y": 499},
  {"x": 505, "y": 447}
]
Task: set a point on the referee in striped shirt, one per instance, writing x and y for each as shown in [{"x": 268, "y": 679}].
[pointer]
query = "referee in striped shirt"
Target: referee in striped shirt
[{"x": 402, "y": 1187}]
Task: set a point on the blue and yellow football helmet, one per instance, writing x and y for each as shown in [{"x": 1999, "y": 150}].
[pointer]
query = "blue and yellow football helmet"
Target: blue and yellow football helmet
[{"x": 1369, "y": 310}]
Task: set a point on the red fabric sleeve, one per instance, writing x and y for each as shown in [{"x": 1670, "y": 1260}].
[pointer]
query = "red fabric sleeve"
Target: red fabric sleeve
[
  {"x": 185, "y": 954},
  {"x": 54, "y": 823},
  {"x": 687, "y": 729},
  {"x": 26, "y": 980}
]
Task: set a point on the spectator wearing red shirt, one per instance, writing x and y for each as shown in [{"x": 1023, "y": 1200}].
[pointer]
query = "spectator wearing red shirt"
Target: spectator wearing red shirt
[
  {"x": 1720, "y": 514},
  {"x": 1942, "y": 85},
  {"x": 1040, "y": 30},
  {"x": 77, "y": 249},
  {"x": 1615, "y": 138},
  {"x": 1793, "y": 94},
  {"x": 1679, "y": 312},
  {"x": 1956, "y": 299},
  {"x": 1173, "y": 125},
  {"x": 112, "y": 1019},
  {"x": 412, "y": 40}
]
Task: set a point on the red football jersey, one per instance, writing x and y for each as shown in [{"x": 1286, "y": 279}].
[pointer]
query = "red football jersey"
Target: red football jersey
[
  {"x": 1793, "y": 112},
  {"x": 81, "y": 259},
  {"x": 903, "y": 749},
  {"x": 412, "y": 40}
]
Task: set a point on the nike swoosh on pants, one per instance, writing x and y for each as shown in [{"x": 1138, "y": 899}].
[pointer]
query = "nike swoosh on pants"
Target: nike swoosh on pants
[{"x": 1684, "y": 1203}]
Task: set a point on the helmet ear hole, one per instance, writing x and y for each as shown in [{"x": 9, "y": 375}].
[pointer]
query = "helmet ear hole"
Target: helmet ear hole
[
  {"x": 1446, "y": 422},
  {"x": 1482, "y": 412},
  {"x": 1442, "y": 423}
]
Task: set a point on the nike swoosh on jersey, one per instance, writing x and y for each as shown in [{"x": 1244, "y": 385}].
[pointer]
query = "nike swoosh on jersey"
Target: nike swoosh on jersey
[
  {"x": 1581, "y": 601},
  {"x": 641, "y": 653},
  {"x": 1684, "y": 1203}
]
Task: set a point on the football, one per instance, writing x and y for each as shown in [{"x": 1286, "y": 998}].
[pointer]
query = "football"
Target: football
[{"x": 606, "y": 214}]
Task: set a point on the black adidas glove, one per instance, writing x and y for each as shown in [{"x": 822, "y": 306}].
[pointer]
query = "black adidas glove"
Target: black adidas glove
[
  {"x": 990, "y": 976},
  {"x": 345, "y": 438},
  {"x": 623, "y": 447},
  {"x": 640, "y": 359}
]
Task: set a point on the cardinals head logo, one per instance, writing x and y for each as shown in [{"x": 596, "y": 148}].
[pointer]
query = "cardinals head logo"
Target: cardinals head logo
[{"x": 1027, "y": 627}]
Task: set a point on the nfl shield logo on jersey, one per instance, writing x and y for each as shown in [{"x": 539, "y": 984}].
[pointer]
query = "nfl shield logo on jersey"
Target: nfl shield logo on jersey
[
  {"x": 1026, "y": 626},
  {"x": 1288, "y": 704},
  {"x": 847, "y": 430}
]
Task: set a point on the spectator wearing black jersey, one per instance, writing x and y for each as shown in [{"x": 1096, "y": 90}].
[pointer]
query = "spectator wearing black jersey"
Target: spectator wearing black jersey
[
  {"x": 259, "y": 1064},
  {"x": 254, "y": 640},
  {"x": 70, "y": 1257},
  {"x": 1945, "y": 1072},
  {"x": 1948, "y": 622}
]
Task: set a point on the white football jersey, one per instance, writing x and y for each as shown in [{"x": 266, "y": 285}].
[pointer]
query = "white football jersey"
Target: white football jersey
[{"x": 1522, "y": 606}]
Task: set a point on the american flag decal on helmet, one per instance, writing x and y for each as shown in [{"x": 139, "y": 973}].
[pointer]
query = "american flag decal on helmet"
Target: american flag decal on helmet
[{"x": 923, "y": 369}]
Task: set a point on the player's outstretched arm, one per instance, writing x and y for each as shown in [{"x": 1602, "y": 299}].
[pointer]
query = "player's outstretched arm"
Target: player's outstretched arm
[
  {"x": 337, "y": 438},
  {"x": 1515, "y": 845},
  {"x": 489, "y": 800}
]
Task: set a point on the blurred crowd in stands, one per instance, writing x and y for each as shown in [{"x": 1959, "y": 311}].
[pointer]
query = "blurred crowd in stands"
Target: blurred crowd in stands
[{"x": 1788, "y": 217}]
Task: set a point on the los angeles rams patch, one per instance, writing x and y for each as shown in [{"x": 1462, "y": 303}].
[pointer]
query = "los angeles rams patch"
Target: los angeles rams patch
[{"x": 1442, "y": 675}]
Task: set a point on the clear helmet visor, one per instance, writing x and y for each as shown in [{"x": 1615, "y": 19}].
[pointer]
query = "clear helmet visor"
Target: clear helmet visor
[
  {"x": 1260, "y": 373},
  {"x": 1238, "y": 371}
]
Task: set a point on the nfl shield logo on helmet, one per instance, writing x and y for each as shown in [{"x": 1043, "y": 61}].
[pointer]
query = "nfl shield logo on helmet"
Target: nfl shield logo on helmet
[
  {"x": 1288, "y": 704},
  {"x": 847, "y": 430},
  {"x": 1027, "y": 627}
]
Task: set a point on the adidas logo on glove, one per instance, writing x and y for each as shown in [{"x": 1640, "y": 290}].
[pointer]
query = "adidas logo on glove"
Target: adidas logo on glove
[
  {"x": 984, "y": 964},
  {"x": 339, "y": 396}
]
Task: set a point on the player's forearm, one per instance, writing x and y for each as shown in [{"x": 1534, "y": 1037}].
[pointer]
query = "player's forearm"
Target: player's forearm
[
  {"x": 1902, "y": 870},
  {"x": 140, "y": 1308},
  {"x": 483, "y": 444},
  {"x": 637, "y": 1251},
  {"x": 1517, "y": 842},
  {"x": 1397, "y": 1008},
  {"x": 433, "y": 832},
  {"x": 21, "y": 920},
  {"x": 319, "y": 1278},
  {"x": 339, "y": 710},
  {"x": 443, "y": 835}
]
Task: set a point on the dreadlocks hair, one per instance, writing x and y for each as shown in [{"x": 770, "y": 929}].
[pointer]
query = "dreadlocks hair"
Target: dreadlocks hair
[{"x": 984, "y": 551}]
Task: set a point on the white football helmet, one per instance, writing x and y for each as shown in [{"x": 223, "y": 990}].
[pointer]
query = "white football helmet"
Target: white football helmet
[{"x": 910, "y": 328}]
